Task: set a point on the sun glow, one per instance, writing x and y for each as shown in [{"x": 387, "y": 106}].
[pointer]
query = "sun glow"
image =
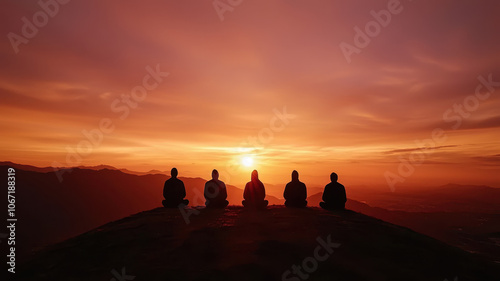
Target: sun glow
[{"x": 247, "y": 161}]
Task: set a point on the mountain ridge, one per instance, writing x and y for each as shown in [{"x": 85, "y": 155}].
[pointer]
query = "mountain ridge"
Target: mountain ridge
[
  {"x": 76, "y": 207},
  {"x": 154, "y": 172}
]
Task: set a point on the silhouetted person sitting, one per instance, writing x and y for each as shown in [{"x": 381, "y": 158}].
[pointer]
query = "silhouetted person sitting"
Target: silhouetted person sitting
[
  {"x": 295, "y": 192},
  {"x": 255, "y": 193},
  {"x": 174, "y": 191},
  {"x": 215, "y": 192},
  {"x": 334, "y": 196}
]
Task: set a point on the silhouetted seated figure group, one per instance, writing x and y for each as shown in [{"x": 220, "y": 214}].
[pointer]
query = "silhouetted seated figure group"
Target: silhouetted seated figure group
[{"x": 295, "y": 194}]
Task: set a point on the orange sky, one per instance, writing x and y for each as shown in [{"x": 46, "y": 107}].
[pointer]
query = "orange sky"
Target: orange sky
[{"x": 228, "y": 78}]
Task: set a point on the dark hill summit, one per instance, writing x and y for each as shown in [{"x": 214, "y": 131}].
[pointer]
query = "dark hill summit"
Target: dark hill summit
[{"x": 239, "y": 244}]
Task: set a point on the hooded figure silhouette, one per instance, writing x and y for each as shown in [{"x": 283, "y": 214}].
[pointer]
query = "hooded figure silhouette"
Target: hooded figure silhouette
[
  {"x": 174, "y": 191},
  {"x": 295, "y": 192},
  {"x": 215, "y": 192},
  {"x": 254, "y": 193}
]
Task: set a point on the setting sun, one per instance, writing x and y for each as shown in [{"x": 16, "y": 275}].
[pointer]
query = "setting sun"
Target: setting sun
[{"x": 247, "y": 161}]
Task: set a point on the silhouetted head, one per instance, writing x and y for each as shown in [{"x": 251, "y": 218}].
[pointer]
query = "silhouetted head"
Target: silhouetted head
[
  {"x": 174, "y": 172},
  {"x": 215, "y": 174},
  {"x": 255, "y": 175},
  {"x": 295, "y": 175},
  {"x": 334, "y": 177}
]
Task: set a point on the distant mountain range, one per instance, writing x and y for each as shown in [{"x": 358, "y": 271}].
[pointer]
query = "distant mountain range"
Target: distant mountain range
[
  {"x": 95, "y": 168},
  {"x": 464, "y": 216},
  {"x": 447, "y": 198},
  {"x": 472, "y": 231}
]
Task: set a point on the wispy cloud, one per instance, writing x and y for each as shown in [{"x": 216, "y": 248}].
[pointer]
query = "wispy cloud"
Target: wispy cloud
[{"x": 405, "y": 150}]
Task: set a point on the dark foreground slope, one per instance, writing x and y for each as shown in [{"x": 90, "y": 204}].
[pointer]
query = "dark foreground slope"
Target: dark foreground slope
[{"x": 238, "y": 244}]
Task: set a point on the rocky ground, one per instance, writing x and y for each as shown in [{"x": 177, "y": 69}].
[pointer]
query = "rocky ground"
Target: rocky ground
[{"x": 240, "y": 244}]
